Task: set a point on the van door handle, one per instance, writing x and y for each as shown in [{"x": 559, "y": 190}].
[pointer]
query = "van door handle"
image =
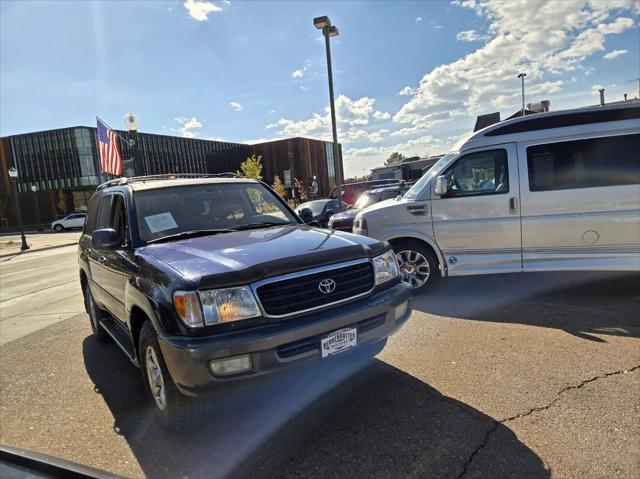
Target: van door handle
[
  {"x": 417, "y": 210},
  {"x": 513, "y": 205},
  {"x": 102, "y": 259}
]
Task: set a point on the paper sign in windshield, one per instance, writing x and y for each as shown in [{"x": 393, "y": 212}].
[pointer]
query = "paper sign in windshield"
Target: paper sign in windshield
[{"x": 160, "y": 222}]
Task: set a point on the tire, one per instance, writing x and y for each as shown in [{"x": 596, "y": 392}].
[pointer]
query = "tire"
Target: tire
[
  {"x": 59, "y": 228},
  {"x": 174, "y": 410},
  {"x": 416, "y": 259},
  {"x": 95, "y": 315}
]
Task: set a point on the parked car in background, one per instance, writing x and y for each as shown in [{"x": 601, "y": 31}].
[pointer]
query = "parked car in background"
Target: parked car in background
[
  {"x": 209, "y": 281},
  {"x": 321, "y": 210},
  {"x": 72, "y": 221},
  {"x": 547, "y": 192},
  {"x": 343, "y": 221},
  {"x": 352, "y": 191}
]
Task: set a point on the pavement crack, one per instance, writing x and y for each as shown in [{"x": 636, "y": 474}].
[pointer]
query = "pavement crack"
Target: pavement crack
[{"x": 497, "y": 424}]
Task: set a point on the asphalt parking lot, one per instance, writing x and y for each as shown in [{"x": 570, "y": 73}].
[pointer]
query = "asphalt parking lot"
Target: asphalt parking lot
[{"x": 500, "y": 376}]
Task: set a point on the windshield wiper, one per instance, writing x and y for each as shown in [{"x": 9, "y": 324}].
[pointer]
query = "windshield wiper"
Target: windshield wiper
[
  {"x": 263, "y": 224},
  {"x": 191, "y": 234}
]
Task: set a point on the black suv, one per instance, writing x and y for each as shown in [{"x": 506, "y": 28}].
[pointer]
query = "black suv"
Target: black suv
[{"x": 203, "y": 281}]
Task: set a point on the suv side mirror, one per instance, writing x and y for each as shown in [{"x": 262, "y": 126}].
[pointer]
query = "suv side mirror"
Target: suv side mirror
[
  {"x": 306, "y": 215},
  {"x": 105, "y": 239},
  {"x": 441, "y": 186},
  {"x": 331, "y": 212}
]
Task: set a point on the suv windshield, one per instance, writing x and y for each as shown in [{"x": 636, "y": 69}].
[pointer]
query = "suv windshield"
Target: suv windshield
[{"x": 171, "y": 211}]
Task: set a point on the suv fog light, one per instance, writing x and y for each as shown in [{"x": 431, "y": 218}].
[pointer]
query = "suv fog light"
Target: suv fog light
[{"x": 234, "y": 365}]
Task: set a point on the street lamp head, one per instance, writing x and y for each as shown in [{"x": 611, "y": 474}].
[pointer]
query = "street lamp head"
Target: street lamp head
[
  {"x": 13, "y": 173},
  {"x": 522, "y": 75},
  {"x": 321, "y": 22},
  {"x": 333, "y": 31},
  {"x": 131, "y": 121},
  {"x": 34, "y": 188}
]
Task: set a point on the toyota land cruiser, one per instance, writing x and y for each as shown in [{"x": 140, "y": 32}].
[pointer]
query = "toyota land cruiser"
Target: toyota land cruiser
[{"x": 203, "y": 281}]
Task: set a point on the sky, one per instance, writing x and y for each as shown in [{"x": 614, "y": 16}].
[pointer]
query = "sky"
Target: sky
[{"x": 409, "y": 76}]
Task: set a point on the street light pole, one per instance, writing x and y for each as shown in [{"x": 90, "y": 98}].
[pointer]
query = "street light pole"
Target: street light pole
[
  {"x": 13, "y": 174},
  {"x": 132, "y": 123},
  {"x": 34, "y": 188},
  {"x": 329, "y": 31},
  {"x": 521, "y": 76}
]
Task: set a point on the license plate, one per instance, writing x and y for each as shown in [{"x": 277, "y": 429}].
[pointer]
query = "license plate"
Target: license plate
[{"x": 338, "y": 341}]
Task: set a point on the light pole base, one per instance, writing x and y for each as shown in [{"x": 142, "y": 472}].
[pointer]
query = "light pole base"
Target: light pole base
[{"x": 24, "y": 245}]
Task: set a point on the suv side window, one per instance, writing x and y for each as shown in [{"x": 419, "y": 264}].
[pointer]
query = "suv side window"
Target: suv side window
[
  {"x": 103, "y": 219},
  {"x": 92, "y": 213},
  {"x": 482, "y": 173},
  {"x": 119, "y": 219}
]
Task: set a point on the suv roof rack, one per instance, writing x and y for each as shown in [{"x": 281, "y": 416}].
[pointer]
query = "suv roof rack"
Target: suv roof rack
[{"x": 168, "y": 176}]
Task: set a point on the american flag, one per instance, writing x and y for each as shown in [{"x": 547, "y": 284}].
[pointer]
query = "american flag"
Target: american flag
[{"x": 110, "y": 159}]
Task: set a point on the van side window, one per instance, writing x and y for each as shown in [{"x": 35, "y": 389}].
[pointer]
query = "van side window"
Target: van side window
[
  {"x": 119, "y": 219},
  {"x": 482, "y": 173},
  {"x": 588, "y": 163}
]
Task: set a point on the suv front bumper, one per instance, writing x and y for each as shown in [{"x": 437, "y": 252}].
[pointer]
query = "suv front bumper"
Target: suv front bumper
[{"x": 274, "y": 346}]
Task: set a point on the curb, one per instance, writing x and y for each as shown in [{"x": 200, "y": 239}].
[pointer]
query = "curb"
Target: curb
[{"x": 17, "y": 253}]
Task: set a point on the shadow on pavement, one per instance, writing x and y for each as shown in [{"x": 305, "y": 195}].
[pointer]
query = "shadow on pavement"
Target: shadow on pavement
[
  {"x": 581, "y": 304},
  {"x": 352, "y": 416}
]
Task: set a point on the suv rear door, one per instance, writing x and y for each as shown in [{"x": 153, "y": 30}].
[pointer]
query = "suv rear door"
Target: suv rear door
[{"x": 477, "y": 224}]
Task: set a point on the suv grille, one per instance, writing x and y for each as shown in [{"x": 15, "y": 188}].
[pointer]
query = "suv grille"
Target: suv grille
[{"x": 300, "y": 293}]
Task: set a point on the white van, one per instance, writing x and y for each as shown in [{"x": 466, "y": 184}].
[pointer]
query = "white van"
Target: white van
[{"x": 547, "y": 192}]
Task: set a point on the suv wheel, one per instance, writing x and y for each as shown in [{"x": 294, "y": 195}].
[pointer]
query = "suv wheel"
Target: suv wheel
[
  {"x": 174, "y": 410},
  {"x": 95, "y": 315},
  {"x": 59, "y": 228},
  {"x": 418, "y": 265}
]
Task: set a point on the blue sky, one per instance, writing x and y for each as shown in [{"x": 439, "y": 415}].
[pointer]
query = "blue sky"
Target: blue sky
[{"x": 247, "y": 70}]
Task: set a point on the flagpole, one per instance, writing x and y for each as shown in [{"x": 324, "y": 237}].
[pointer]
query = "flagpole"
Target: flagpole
[{"x": 102, "y": 177}]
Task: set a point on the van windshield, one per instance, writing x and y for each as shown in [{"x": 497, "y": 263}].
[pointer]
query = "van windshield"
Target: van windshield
[{"x": 419, "y": 185}]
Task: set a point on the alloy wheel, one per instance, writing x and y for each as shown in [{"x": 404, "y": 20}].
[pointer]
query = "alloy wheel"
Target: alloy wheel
[
  {"x": 414, "y": 268},
  {"x": 156, "y": 381}
]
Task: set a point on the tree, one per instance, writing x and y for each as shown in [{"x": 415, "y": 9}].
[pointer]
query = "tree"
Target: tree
[
  {"x": 278, "y": 187},
  {"x": 62, "y": 202},
  {"x": 251, "y": 167},
  {"x": 302, "y": 190},
  {"x": 394, "y": 158}
]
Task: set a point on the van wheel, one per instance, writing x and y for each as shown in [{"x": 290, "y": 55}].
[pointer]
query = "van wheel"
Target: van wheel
[
  {"x": 174, "y": 410},
  {"x": 95, "y": 315},
  {"x": 418, "y": 264},
  {"x": 58, "y": 228}
]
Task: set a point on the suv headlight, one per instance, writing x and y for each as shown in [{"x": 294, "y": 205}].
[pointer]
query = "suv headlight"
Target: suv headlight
[
  {"x": 229, "y": 304},
  {"x": 385, "y": 267},
  {"x": 188, "y": 308}
]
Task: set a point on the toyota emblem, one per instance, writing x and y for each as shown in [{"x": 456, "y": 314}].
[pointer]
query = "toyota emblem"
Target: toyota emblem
[{"x": 327, "y": 286}]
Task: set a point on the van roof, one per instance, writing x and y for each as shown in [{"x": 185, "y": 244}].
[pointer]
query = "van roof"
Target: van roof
[{"x": 556, "y": 123}]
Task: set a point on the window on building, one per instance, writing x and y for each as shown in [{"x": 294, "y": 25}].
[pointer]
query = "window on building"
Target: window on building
[{"x": 588, "y": 163}]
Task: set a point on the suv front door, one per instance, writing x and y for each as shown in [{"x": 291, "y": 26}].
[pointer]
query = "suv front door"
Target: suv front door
[
  {"x": 109, "y": 267},
  {"x": 477, "y": 223}
]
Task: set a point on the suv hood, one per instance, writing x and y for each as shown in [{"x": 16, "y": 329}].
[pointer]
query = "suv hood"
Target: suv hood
[{"x": 243, "y": 257}]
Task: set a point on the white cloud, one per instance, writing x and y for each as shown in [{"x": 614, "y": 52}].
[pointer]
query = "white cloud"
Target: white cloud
[
  {"x": 297, "y": 73},
  {"x": 236, "y": 105},
  {"x": 438, "y": 27},
  {"x": 272, "y": 112},
  {"x": 418, "y": 19},
  {"x": 200, "y": 9},
  {"x": 470, "y": 36},
  {"x": 381, "y": 115},
  {"x": 407, "y": 91},
  {"x": 188, "y": 127},
  {"x": 570, "y": 31},
  {"x": 614, "y": 54},
  {"x": 303, "y": 88}
]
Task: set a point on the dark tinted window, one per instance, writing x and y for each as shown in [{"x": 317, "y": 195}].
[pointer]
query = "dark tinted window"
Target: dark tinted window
[
  {"x": 584, "y": 163},
  {"x": 104, "y": 212},
  {"x": 119, "y": 218},
  {"x": 482, "y": 173},
  {"x": 92, "y": 213}
]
